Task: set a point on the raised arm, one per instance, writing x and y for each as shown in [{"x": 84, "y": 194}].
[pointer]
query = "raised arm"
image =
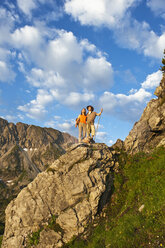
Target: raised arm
[{"x": 98, "y": 114}]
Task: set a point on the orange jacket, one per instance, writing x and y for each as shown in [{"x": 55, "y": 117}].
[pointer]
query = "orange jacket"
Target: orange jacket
[{"x": 83, "y": 118}]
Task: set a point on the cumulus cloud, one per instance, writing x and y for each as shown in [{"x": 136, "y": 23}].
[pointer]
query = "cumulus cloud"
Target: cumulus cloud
[
  {"x": 71, "y": 70},
  {"x": 28, "y": 38},
  {"x": 152, "y": 80},
  {"x": 116, "y": 15},
  {"x": 157, "y": 6},
  {"x": 63, "y": 61},
  {"x": 72, "y": 99},
  {"x": 138, "y": 36},
  {"x": 129, "y": 107},
  {"x": 67, "y": 126},
  {"x": 36, "y": 109},
  {"x": 98, "y": 12},
  {"x": 101, "y": 136},
  {"x": 98, "y": 71},
  {"x": 126, "y": 107}
]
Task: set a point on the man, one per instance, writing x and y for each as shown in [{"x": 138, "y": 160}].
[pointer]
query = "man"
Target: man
[{"x": 91, "y": 115}]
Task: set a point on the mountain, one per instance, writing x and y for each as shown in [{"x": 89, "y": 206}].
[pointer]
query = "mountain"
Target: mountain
[
  {"x": 26, "y": 150},
  {"x": 30, "y": 147},
  {"x": 149, "y": 131}
]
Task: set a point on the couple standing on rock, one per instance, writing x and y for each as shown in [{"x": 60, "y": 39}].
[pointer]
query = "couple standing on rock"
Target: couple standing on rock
[{"x": 85, "y": 122}]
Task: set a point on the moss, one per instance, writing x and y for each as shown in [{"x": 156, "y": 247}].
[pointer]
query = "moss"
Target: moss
[
  {"x": 52, "y": 224},
  {"x": 34, "y": 238},
  {"x": 1, "y": 237}
]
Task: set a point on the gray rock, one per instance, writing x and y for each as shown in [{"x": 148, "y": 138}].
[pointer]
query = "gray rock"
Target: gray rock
[
  {"x": 149, "y": 131},
  {"x": 72, "y": 191}
]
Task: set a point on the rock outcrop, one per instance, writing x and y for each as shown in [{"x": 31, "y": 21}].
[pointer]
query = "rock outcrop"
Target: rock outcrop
[
  {"x": 149, "y": 131},
  {"x": 61, "y": 201}
]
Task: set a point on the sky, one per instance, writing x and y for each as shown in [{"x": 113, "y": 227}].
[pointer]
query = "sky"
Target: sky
[{"x": 58, "y": 56}]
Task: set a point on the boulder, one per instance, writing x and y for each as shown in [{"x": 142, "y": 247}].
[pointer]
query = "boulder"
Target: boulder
[{"x": 62, "y": 201}]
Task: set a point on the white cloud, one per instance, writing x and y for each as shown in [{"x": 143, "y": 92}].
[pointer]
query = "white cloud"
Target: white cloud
[
  {"x": 154, "y": 45},
  {"x": 49, "y": 79},
  {"x": 62, "y": 62},
  {"x": 130, "y": 107},
  {"x": 63, "y": 125},
  {"x": 73, "y": 99},
  {"x": 7, "y": 21},
  {"x": 152, "y": 80},
  {"x": 138, "y": 36},
  {"x": 6, "y": 73},
  {"x": 98, "y": 71},
  {"x": 26, "y": 6},
  {"x": 111, "y": 142},
  {"x": 98, "y": 12},
  {"x": 27, "y": 36},
  {"x": 157, "y": 6},
  {"x": 36, "y": 109},
  {"x": 116, "y": 15},
  {"x": 10, "y": 118},
  {"x": 101, "y": 136},
  {"x": 69, "y": 70},
  {"x": 127, "y": 107}
]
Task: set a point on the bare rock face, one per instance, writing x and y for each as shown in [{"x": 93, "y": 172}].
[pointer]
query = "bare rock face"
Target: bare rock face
[
  {"x": 149, "y": 131},
  {"x": 62, "y": 200}
]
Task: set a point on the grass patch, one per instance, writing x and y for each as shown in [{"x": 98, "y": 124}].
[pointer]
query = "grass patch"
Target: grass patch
[
  {"x": 55, "y": 226},
  {"x": 140, "y": 181},
  {"x": 34, "y": 238},
  {"x": 1, "y": 237}
]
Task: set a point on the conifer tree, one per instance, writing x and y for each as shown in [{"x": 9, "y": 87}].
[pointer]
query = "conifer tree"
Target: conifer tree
[{"x": 162, "y": 68}]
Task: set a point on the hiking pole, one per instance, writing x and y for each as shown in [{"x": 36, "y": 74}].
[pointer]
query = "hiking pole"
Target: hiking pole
[{"x": 97, "y": 127}]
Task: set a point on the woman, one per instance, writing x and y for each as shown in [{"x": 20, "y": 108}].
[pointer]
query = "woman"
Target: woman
[{"x": 81, "y": 122}]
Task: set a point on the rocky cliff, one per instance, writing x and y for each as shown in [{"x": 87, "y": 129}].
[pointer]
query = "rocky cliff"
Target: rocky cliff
[
  {"x": 61, "y": 201},
  {"x": 149, "y": 131}
]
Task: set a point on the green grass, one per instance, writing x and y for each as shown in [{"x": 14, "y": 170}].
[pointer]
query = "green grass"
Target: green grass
[
  {"x": 140, "y": 181},
  {"x": 1, "y": 237},
  {"x": 53, "y": 225},
  {"x": 34, "y": 238}
]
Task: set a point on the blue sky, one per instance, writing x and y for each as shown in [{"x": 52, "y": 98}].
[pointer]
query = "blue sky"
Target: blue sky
[{"x": 58, "y": 56}]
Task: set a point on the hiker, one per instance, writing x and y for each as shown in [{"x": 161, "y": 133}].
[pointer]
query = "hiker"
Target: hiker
[
  {"x": 81, "y": 123},
  {"x": 91, "y": 115}
]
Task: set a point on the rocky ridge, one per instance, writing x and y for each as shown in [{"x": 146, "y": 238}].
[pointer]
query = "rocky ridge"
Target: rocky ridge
[
  {"x": 68, "y": 194},
  {"x": 30, "y": 147},
  {"x": 149, "y": 131}
]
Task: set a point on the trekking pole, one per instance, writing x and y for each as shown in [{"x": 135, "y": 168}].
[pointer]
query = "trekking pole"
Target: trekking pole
[{"x": 97, "y": 127}]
